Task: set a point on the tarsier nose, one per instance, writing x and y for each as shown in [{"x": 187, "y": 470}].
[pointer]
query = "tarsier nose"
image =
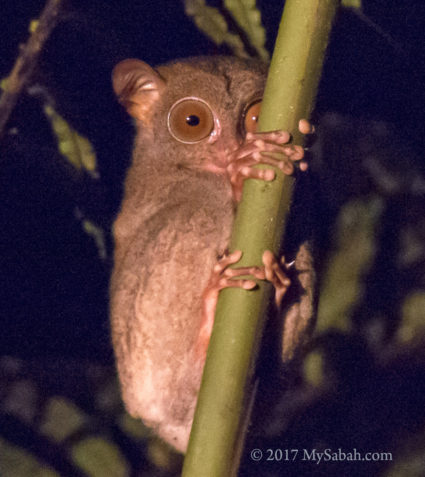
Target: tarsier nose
[
  {"x": 225, "y": 146},
  {"x": 232, "y": 143}
]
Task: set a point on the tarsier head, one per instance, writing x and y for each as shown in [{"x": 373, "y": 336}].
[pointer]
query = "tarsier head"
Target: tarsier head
[{"x": 205, "y": 104}]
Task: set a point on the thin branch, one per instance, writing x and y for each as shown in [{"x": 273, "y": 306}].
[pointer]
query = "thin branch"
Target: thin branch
[{"x": 27, "y": 60}]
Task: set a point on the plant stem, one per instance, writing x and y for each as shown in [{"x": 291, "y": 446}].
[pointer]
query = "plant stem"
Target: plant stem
[
  {"x": 27, "y": 60},
  {"x": 226, "y": 391}
]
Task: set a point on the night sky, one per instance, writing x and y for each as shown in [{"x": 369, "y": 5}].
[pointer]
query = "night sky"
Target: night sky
[{"x": 53, "y": 285}]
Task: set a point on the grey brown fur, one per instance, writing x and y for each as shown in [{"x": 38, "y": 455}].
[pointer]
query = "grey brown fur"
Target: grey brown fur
[{"x": 175, "y": 222}]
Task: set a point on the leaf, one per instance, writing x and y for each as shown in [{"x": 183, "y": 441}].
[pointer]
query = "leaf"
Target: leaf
[
  {"x": 21, "y": 400},
  {"x": 355, "y": 249},
  {"x": 98, "y": 458},
  {"x": 248, "y": 17},
  {"x": 16, "y": 462},
  {"x": 33, "y": 25},
  {"x": 73, "y": 146},
  {"x": 207, "y": 19},
  {"x": 133, "y": 427},
  {"x": 94, "y": 231},
  {"x": 61, "y": 419},
  {"x": 211, "y": 22},
  {"x": 4, "y": 83},
  {"x": 357, "y": 4},
  {"x": 409, "y": 460},
  {"x": 412, "y": 326},
  {"x": 314, "y": 369}
]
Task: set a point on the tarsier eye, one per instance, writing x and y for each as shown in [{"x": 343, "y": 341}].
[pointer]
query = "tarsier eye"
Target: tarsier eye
[
  {"x": 190, "y": 120},
  {"x": 250, "y": 117}
]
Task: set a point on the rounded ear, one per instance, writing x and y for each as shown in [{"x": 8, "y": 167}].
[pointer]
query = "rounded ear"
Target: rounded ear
[{"x": 138, "y": 87}]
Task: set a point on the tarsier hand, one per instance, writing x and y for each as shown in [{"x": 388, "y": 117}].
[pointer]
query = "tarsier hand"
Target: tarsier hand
[
  {"x": 269, "y": 148},
  {"x": 258, "y": 148}
]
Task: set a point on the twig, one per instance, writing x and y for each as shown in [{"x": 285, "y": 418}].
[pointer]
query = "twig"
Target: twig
[{"x": 27, "y": 60}]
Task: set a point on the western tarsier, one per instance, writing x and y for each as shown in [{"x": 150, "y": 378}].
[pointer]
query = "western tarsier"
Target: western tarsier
[{"x": 195, "y": 145}]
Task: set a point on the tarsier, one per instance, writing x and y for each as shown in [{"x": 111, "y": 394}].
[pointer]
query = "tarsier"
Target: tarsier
[{"x": 195, "y": 145}]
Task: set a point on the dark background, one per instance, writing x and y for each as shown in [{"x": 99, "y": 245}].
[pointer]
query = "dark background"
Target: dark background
[{"x": 53, "y": 285}]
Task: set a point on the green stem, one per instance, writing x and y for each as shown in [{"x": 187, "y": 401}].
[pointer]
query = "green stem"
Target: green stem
[{"x": 226, "y": 390}]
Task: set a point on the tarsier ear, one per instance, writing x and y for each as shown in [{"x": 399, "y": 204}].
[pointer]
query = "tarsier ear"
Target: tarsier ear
[{"x": 138, "y": 87}]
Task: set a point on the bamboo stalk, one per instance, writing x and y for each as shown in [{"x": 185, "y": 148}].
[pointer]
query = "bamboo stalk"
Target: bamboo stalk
[{"x": 226, "y": 389}]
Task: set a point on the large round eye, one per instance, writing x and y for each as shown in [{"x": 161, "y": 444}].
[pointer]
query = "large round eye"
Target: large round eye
[
  {"x": 250, "y": 118},
  {"x": 190, "y": 120}
]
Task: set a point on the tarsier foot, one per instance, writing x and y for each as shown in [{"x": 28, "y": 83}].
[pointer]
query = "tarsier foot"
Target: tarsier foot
[
  {"x": 224, "y": 277},
  {"x": 262, "y": 148},
  {"x": 275, "y": 274}
]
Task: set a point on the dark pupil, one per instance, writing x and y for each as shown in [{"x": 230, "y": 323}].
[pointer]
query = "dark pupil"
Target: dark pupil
[{"x": 192, "y": 120}]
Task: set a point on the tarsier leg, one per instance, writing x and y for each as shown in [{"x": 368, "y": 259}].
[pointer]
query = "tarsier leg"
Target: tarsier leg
[{"x": 224, "y": 277}]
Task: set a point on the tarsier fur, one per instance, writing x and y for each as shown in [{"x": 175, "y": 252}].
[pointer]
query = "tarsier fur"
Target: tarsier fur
[{"x": 175, "y": 223}]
